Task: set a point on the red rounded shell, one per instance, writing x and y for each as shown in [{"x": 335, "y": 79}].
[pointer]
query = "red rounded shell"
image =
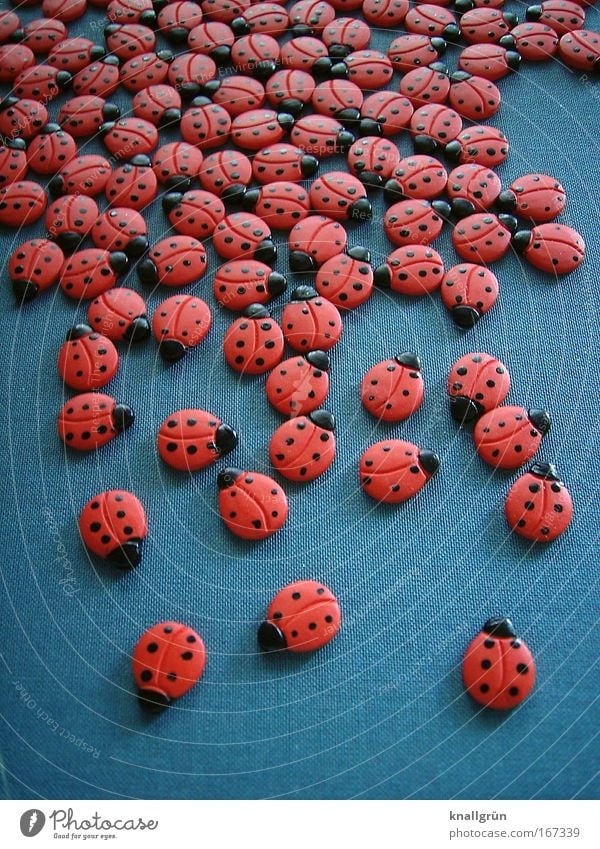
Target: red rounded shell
[
  {"x": 239, "y": 235},
  {"x": 415, "y": 270},
  {"x": 393, "y": 471},
  {"x": 535, "y": 42},
  {"x": 480, "y": 378},
  {"x": 196, "y": 214},
  {"x": 24, "y": 118},
  {"x": 253, "y": 345},
  {"x": 481, "y": 238},
  {"x": 177, "y": 159},
  {"x": 85, "y": 175},
  {"x": 130, "y": 185},
  {"x": 87, "y": 421},
  {"x": 223, "y": 169},
  {"x": 349, "y": 32},
  {"x": 111, "y": 520},
  {"x": 498, "y": 672},
  {"x": 345, "y": 281},
  {"x": 412, "y": 222},
  {"x": 555, "y": 248},
  {"x": 13, "y": 164},
  {"x": 538, "y": 505},
  {"x": 420, "y": 177},
  {"x": 301, "y": 450},
  {"x": 21, "y": 203},
  {"x": 538, "y": 197},
  {"x": 469, "y": 289},
  {"x": 188, "y": 440},
  {"x": 168, "y": 660},
  {"x": 489, "y": 61},
  {"x": 475, "y": 98},
  {"x": 425, "y": 85},
  {"x": 240, "y": 283},
  {"x": 393, "y": 389},
  {"x": 298, "y": 386},
  {"x": 117, "y": 313},
  {"x": 311, "y": 323},
  {"x": 506, "y": 438},
  {"x": 88, "y": 361},
  {"x": 37, "y": 263},
  {"x": 319, "y": 237},
  {"x": 437, "y": 122},
  {"x": 179, "y": 260},
  {"x": 475, "y": 183},
  {"x": 484, "y": 145},
  {"x": 336, "y": 193},
  {"x": 87, "y": 274},
  {"x": 412, "y": 51},
  {"x": 252, "y": 506},
  {"x": 306, "y": 614},
  {"x": 182, "y": 318},
  {"x": 237, "y": 94}
]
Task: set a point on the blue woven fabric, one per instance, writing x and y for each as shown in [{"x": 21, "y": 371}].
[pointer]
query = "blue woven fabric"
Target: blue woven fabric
[{"x": 380, "y": 712}]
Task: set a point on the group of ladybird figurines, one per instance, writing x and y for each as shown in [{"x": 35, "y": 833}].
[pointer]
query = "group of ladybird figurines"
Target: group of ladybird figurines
[{"x": 327, "y": 65}]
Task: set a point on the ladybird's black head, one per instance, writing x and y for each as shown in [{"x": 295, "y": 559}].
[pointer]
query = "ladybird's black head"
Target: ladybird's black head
[
  {"x": 345, "y": 140},
  {"x": 250, "y": 199},
  {"x": 221, "y": 54},
  {"x": 453, "y": 150},
  {"x": 240, "y": 27},
  {"x": 323, "y": 419},
  {"x": 382, "y": 276},
  {"x": 300, "y": 30},
  {"x": 309, "y": 165},
  {"x": 534, "y": 13},
  {"x": 451, "y": 33},
  {"x": 148, "y": 18},
  {"x": 111, "y": 29},
  {"x": 286, "y": 121},
  {"x": 508, "y": 41},
  {"x": 499, "y": 626},
  {"x": 141, "y": 160},
  {"x": 359, "y": 253},
  {"x": 429, "y": 461},
  {"x": 228, "y": 477},
  {"x": 153, "y": 701},
  {"x": 270, "y": 638},
  {"x": 24, "y": 290},
  {"x": 8, "y": 101},
  {"x": 409, "y": 360},
  {"x": 508, "y": 221},
  {"x": 16, "y": 144},
  {"x": 540, "y": 419},
  {"x": 177, "y": 35},
  {"x": 465, "y": 317},
  {"x": 257, "y": 311},
  {"x": 360, "y": 210},
  {"x": 339, "y": 51},
  {"x": 291, "y": 105},
  {"x": 321, "y": 68},
  {"x": 56, "y": 185},
  {"x": 169, "y": 118},
  {"x": 122, "y": 417},
  {"x": 304, "y": 293},
  {"x": 77, "y": 331},
  {"x": 393, "y": 191},
  {"x": 301, "y": 262},
  {"x": 319, "y": 359},
  {"x": 507, "y": 201},
  {"x": 276, "y": 283},
  {"x": 171, "y": 200},
  {"x": 370, "y": 127},
  {"x": 111, "y": 112},
  {"x": 50, "y": 128},
  {"x": 68, "y": 241},
  {"x": 463, "y": 409},
  {"x": 178, "y": 182},
  {"x": 165, "y": 55},
  {"x": 118, "y": 261},
  {"x": 137, "y": 246},
  {"x": 442, "y": 208},
  {"x": 233, "y": 194},
  {"x": 461, "y": 207},
  {"x": 147, "y": 272},
  {"x": 513, "y": 59},
  {"x": 350, "y": 115},
  {"x": 209, "y": 89},
  {"x": 439, "y": 45},
  {"x": 263, "y": 70},
  {"x": 547, "y": 471},
  {"x": 97, "y": 52},
  {"x": 459, "y": 76},
  {"x": 226, "y": 439},
  {"x": 64, "y": 80},
  {"x": 266, "y": 252},
  {"x": 127, "y": 555},
  {"x": 462, "y": 6},
  {"x": 172, "y": 350},
  {"x": 138, "y": 330}
]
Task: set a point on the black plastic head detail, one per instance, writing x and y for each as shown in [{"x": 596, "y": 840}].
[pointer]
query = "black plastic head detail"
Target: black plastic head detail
[
  {"x": 499, "y": 626},
  {"x": 8, "y": 101},
  {"x": 439, "y": 44},
  {"x": 323, "y": 418},
  {"x": 453, "y": 150},
  {"x": 339, "y": 51},
  {"x": 345, "y": 140},
  {"x": 257, "y": 311},
  {"x": 24, "y": 290},
  {"x": 465, "y": 317},
  {"x": 360, "y": 210},
  {"x": 440, "y": 67},
  {"x": 370, "y": 127},
  {"x": 233, "y": 194},
  {"x": 382, "y": 276},
  {"x": 148, "y": 18},
  {"x": 451, "y": 33},
  {"x": 97, "y": 52},
  {"x": 251, "y": 198},
  {"x": 141, "y": 160},
  {"x": 300, "y": 30},
  {"x": 547, "y": 471},
  {"x": 459, "y": 76},
  {"x": 520, "y": 240},
  {"x": 138, "y": 330},
  {"x": 190, "y": 90},
  {"x": 126, "y": 556},
  {"x": 172, "y": 350},
  {"x": 263, "y": 70},
  {"x": 16, "y": 144},
  {"x": 68, "y": 241},
  {"x": 349, "y": 115},
  {"x": 464, "y": 409},
  {"x": 429, "y": 461},
  {"x": 533, "y": 13},
  {"x": 409, "y": 360},
  {"x": 137, "y": 246},
  {"x": 319, "y": 359},
  {"x": 270, "y": 638},
  {"x": 371, "y": 180},
  {"x": 221, "y": 54},
  {"x": 50, "y": 128},
  {"x": 151, "y": 700},
  {"x": 276, "y": 283},
  {"x": 228, "y": 477},
  {"x": 111, "y": 112},
  {"x": 359, "y": 253},
  {"x": 147, "y": 272},
  {"x": 507, "y": 201},
  {"x": 321, "y": 68},
  {"x": 292, "y": 105},
  {"x": 301, "y": 262},
  {"x": 226, "y": 439},
  {"x": 309, "y": 165},
  {"x": 508, "y": 41},
  {"x": 122, "y": 417},
  {"x": 286, "y": 121},
  {"x": 462, "y": 6},
  {"x": 461, "y": 207},
  {"x": 56, "y": 185},
  {"x": 442, "y": 208},
  {"x": 266, "y": 252},
  {"x": 392, "y": 191},
  {"x": 169, "y": 118},
  {"x": 118, "y": 261},
  {"x": 177, "y": 35},
  {"x": 304, "y": 293},
  {"x": 425, "y": 144},
  {"x": 77, "y": 331},
  {"x": 64, "y": 79},
  {"x": 540, "y": 419},
  {"x": 513, "y": 59},
  {"x": 508, "y": 221}
]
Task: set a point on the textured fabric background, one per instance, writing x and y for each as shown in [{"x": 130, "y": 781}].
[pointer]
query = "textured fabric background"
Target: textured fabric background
[{"x": 379, "y": 713}]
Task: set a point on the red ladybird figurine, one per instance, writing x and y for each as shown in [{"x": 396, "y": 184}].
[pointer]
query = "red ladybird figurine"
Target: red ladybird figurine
[
  {"x": 227, "y": 174},
  {"x": 490, "y": 61},
  {"x": 394, "y": 470},
  {"x": 538, "y": 197},
  {"x": 469, "y": 291},
  {"x": 554, "y": 248},
  {"x": 280, "y": 205},
  {"x": 321, "y": 135},
  {"x": 477, "y": 383},
  {"x": 129, "y": 137},
  {"x": 340, "y": 196},
  {"x": 121, "y": 229},
  {"x": 190, "y": 440},
  {"x": 346, "y": 279},
  {"x": 22, "y": 117},
  {"x": 485, "y": 145},
  {"x": 300, "y": 384},
  {"x": 283, "y": 162},
  {"x": 83, "y": 175},
  {"x": 253, "y": 344},
  {"x": 34, "y": 266},
  {"x": 21, "y": 203},
  {"x": 119, "y": 314},
  {"x": 194, "y": 213},
  {"x": 434, "y": 125},
  {"x": 133, "y": 184},
  {"x": 127, "y": 40},
  {"x": 236, "y": 94},
  {"x": 534, "y": 42},
  {"x": 242, "y": 282},
  {"x": 113, "y": 526},
  {"x": 498, "y": 669},
  {"x": 101, "y": 78},
  {"x": 432, "y": 19},
  {"x": 302, "y": 617},
  {"x": 159, "y": 104},
  {"x": 303, "y": 448},
  {"x": 415, "y": 222},
  {"x": 41, "y": 82},
  {"x": 310, "y": 321},
  {"x": 253, "y": 506},
  {"x": 538, "y": 505},
  {"x": 88, "y": 273},
  {"x": 339, "y": 98},
  {"x": 313, "y": 241},
  {"x": 174, "y": 261},
  {"x": 50, "y": 150},
  {"x": 472, "y": 188},
  {"x": 87, "y": 360},
  {"x": 212, "y": 38},
  {"x": 82, "y": 116},
  {"x": 205, "y": 124},
  {"x": 289, "y": 90},
  {"x": 473, "y": 97},
  {"x": 392, "y": 390},
  {"x": 420, "y": 177},
  {"x": 413, "y": 270},
  {"x": 92, "y": 419},
  {"x": 179, "y": 324},
  {"x": 343, "y": 35},
  {"x": 562, "y": 15},
  {"x": 256, "y": 128},
  {"x": 485, "y": 25},
  {"x": 507, "y": 437},
  {"x": 483, "y": 237},
  {"x": 74, "y": 54},
  {"x": 69, "y": 220},
  {"x": 242, "y": 234},
  {"x": 385, "y": 113},
  {"x": 415, "y": 50},
  {"x": 373, "y": 160},
  {"x": 426, "y": 85},
  {"x": 168, "y": 660}
]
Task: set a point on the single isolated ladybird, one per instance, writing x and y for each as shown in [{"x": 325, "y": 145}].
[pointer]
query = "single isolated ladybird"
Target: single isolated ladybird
[
  {"x": 507, "y": 437},
  {"x": 113, "y": 526},
  {"x": 393, "y": 389},
  {"x": 538, "y": 505},
  {"x": 394, "y": 470},
  {"x": 190, "y": 440},
  {"x": 302, "y": 617},
  {"x": 300, "y": 384},
  {"x": 92, "y": 419},
  {"x": 87, "y": 360},
  {"x": 168, "y": 660},
  {"x": 303, "y": 448},
  {"x": 179, "y": 324},
  {"x": 477, "y": 383},
  {"x": 498, "y": 669},
  {"x": 310, "y": 321},
  {"x": 252, "y": 506},
  {"x": 253, "y": 344}
]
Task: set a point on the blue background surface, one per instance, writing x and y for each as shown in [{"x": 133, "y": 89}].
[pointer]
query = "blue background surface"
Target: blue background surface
[{"x": 380, "y": 712}]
